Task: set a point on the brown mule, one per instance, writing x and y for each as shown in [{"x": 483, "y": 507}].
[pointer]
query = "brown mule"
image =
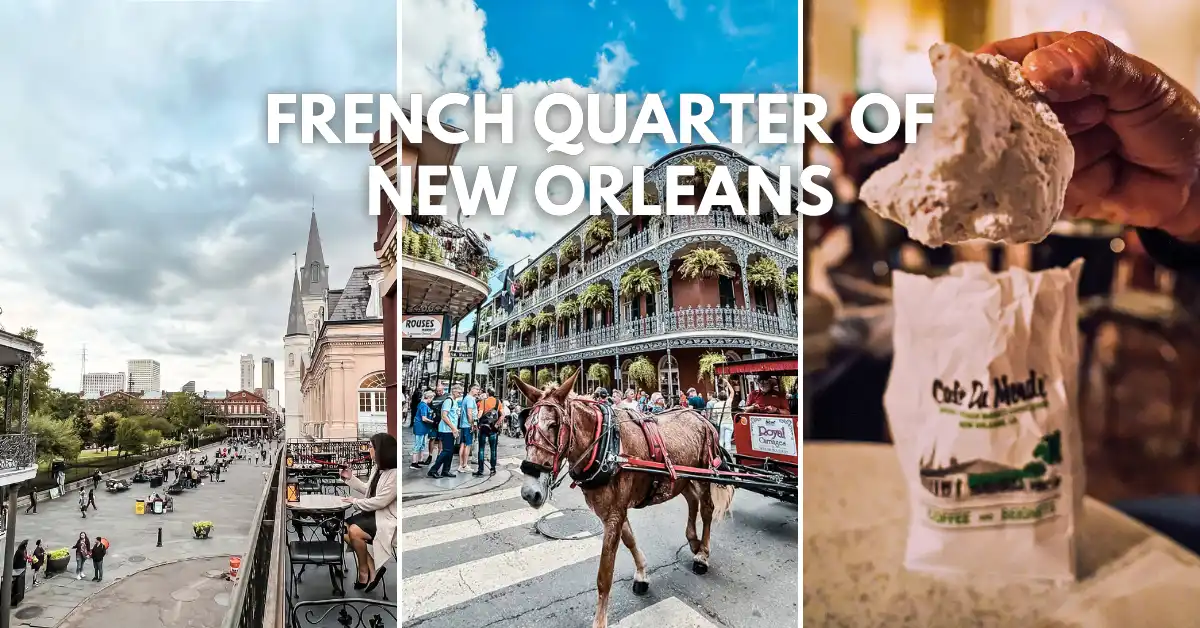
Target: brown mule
[{"x": 591, "y": 441}]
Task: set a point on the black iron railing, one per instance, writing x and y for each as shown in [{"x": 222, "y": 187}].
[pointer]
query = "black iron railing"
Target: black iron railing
[{"x": 257, "y": 597}]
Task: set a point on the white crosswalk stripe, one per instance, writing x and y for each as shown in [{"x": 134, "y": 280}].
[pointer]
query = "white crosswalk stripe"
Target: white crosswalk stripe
[{"x": 434, "y": 590}]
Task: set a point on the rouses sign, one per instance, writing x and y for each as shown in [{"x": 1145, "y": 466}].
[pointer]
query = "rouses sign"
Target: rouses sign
[
  {"x": 773, "y": 434},
  {"x": 423, "y": 326}
]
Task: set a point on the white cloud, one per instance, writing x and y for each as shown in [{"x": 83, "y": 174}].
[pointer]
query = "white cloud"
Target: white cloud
[
  {"x": 612, "y": 65},
  {"x": 144, "y": 214},
  {"x": 434, "y": 41},
  {"x": 677, "y": 8}
]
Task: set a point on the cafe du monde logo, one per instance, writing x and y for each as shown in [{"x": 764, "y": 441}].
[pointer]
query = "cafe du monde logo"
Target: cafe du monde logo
[{"x": 1002, "y": 393}]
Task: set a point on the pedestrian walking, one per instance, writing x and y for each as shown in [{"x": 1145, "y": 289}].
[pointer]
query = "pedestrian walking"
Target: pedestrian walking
[
  {"x": 96, "y": 479},
  {"x": 83, "y": 551},
  {"x": 83, "y": 503},
  {"x": 98, "y": 552},
  {"x": 448, "y": 434},
  {"x": 61, "y": 477},
  {"x": 489, "y": 430},
  {"x": 38, "y": 561},
  {"x": 467, "y": 421},
  {"x": 32, "y": 502},
  {"x": 92, "y": 499},
  {"x": 424, "y": 422}
]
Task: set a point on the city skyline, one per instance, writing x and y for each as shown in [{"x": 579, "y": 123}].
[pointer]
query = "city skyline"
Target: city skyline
[{"x": 172, "y": 255}]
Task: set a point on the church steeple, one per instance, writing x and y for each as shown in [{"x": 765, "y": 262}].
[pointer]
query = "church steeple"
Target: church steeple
[
  {"x": 296, "y": 326},
  {"x": 314, "y": 276}
]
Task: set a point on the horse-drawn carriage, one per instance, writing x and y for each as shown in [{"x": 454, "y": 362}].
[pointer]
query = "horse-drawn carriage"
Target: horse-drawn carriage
[
  {"x": 765, "y": 438},
  {"x": 623, "y": 459}
]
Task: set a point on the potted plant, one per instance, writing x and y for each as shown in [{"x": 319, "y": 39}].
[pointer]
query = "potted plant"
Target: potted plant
[
  {"x": 57, "y": 560},
  {"x": 567, "y": 308},
  {"x": 596, "y": 296},
  {"x": 637, "y": 281},
  {"x": 705, "y": 262},
  {"x": 704, "y": 170},
  {"x": 765, "y": 273},
  {"x": 599, "y": 231},
  {"x": 202, "y": 529},
  {"x": 643, "y": 373},
  {"x": 566, "y": 372},
  {"x": 708, "y": 364},
  {"x": 792, "y": 283},
  {"x": 529, "y": 279},
  {"x": 569, "y": 251},
  {"x": 548, "y": 267},
  {"x": 782, "y": 231},
  {"x": 544, "y": 376},
  {"x": 525, "y": 375},
  {"x": 542, "y": 319},
  {"x": 600, "y": 373}
]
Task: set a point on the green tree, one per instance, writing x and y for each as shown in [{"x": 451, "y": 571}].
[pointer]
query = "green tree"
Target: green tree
[
  {"x": 55, "y": 439},
  {"x": 39, "y": 379},
  {"x": 82, "y": 425},
  {"x": 185, "y": 410},
  {"x": 213, "y": 430},
  {"x": 65, "y": 406},
  {"x": 153, "y": 438},
  {"x": 161, "y": 425},
  {"x": 130, "y": 438},
  {"x": 118, "y": 404},
  {"x": 104, "y": 429}
]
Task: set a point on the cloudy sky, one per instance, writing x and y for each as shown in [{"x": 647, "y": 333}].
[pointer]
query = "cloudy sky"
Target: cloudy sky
[
  {"x": 143, "y": 212},
  {"x": 532, "y": 48}
]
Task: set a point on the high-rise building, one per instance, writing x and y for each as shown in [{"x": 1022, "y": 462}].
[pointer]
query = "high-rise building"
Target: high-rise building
[
  {"x": 189, "y": 387},
  {"x": 268, "y": 374},
  {"x": 247, "y": 372},
  {"x": 144, "y": 374},
  {"x": 96, "y": 384}
]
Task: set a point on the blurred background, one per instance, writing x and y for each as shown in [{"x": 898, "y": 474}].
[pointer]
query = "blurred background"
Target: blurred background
[{"x": 1140, "y": 351}]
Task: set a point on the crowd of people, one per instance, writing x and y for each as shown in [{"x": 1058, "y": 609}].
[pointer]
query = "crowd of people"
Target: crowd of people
[{"x": 447, "y": 423}]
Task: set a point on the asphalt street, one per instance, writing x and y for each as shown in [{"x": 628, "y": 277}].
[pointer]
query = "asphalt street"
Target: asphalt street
[{"x": 478, "y": 560}]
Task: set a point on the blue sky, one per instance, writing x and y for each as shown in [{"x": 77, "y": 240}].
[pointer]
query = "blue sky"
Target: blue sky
[{"x": 678, "y": 46}]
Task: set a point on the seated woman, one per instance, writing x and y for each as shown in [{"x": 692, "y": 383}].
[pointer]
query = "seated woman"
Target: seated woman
[{"x": 375, "y": 523}]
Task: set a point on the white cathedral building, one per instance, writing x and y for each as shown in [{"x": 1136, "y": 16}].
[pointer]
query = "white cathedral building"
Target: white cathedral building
[{"x": 334, "y": 383}]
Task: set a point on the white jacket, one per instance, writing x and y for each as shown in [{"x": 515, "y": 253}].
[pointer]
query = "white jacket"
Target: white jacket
[{"x": 383, "y": 546}]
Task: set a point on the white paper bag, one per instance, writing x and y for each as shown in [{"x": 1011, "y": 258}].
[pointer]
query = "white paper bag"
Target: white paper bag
[{"x": 983, "y": 408}]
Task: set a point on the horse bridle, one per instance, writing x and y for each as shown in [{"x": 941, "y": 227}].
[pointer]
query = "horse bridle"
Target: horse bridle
[{"x": 557, "y": 446}]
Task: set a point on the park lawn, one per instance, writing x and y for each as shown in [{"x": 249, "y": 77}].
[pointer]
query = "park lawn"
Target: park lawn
[{"x": 84, "y": 456}]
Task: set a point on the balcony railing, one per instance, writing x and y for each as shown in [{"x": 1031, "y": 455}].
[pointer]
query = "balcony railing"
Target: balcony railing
[
  {"x": 671, "y": 225},
  {"x": 708, "y": 319},
  {"x": 256, "y": 601},
  {"x": 17, "y": 451}
]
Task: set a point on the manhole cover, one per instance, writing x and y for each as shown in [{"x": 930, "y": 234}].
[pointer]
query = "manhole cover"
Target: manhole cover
[
  {"x": 570, "y": 524},
  {"x": 137, "y": 558},
  {"x": 28, "y": 612}
]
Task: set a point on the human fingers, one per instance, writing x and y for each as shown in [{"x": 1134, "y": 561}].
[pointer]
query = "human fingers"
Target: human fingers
[
  {"x": 1093, "y": 145},
  {"x": 1017, "y": 48},
  {"x": 1081, "y": 115},
  {"x": 1084, "y": 64}
]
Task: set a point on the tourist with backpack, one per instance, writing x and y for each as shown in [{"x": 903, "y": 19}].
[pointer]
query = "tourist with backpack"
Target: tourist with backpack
[
  {"x": 489, "y": 431},
  {"x": 98, "y": 552}
]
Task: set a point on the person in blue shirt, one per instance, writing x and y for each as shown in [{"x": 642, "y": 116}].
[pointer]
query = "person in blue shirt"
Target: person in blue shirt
[
  {"x": 421, "y": 429},
  {"x": 467, "y": 421},
  {"x": 695, "y": 400},
  {"x": 447, "y": 433}
]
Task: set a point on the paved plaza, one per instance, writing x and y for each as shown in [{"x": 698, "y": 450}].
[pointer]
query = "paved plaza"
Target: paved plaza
[{"x": 229, "y": 504}]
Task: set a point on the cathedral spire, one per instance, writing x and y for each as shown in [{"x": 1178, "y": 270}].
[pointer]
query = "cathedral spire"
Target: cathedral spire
[
  {"x": 296, "y": 324},
  {"x": 314, "y": 276}
]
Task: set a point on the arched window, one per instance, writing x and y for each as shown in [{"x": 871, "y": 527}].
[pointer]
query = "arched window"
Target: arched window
[
  {"x": 668, "y": 377},
  {"x": 372, "y": 405},
  {"x": 315, "y": 273},
  {"x": 291, "y": 359}
]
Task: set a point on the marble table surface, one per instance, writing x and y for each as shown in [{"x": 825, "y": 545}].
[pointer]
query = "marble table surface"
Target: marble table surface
[{"x": 855, "y": 527}]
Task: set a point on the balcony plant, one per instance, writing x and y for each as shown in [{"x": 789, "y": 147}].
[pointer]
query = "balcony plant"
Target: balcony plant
[
  {"x": 637, "y": 281},
  {"x": 708, "y": 364},
  {"x": 704, "y": 170},
  {"x": 529, "y": 279},
  {"x": 598, "y": 232},
  {"x": 543, "y": 319},
  {"x": 643, "y": 373},
  {"x": 548, "y": 267},
  {"x": 566, "y": 372},
  {"x": 765, "y": 273},
  {"x": 705, "y": 262},
  {"x": 57, "y": 560},
  {"x": 600, "y": 373},
  {"x": 569, "y": 251},
  {"x": 524, "y": 326},
  {"x": 782, "y": 231},
  {"x": 567, "y": 308},
  {"x": 792, "y": 283},
  {"x": 544, "y": 377},
  {"x": 596, "y": 296},
  {"x": 202, "y": 529},
  {"x": 525, "y": 375}
]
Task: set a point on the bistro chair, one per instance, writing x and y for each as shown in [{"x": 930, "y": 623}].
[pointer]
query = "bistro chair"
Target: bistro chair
[
  {"x": 348, "y": 613},
  {"x": 318, "y": 543}
]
